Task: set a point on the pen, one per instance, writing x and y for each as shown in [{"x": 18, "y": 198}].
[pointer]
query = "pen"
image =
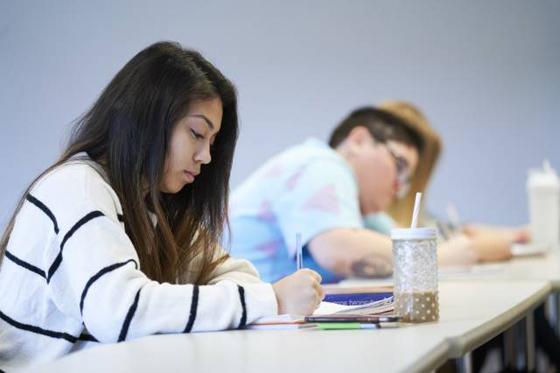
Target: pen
[
  {"x": 299, "y": 257},
  {"x": 442, "y": 230},
  {"x": 453, "y": 216}
]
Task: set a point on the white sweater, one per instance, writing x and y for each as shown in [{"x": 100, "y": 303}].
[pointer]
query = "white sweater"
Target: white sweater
[{"x": 70, "y": 278}]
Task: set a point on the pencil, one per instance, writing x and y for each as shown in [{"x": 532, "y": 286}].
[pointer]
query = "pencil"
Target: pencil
[{"x": 299, "y": 256}]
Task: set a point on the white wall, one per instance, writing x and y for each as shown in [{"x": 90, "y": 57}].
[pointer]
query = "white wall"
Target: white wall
[{"x": 487, "y": 74}]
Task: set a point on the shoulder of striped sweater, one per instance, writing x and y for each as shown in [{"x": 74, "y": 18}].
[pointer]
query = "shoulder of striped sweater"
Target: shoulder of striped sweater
[{"x": 77, "y": 186}]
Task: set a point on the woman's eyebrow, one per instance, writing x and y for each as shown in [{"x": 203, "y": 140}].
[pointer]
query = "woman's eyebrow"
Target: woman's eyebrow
[{"x": 203, "y": 117}]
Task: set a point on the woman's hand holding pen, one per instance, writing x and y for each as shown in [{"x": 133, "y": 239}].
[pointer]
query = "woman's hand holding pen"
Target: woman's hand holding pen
[{"x": 299, "y": 293}]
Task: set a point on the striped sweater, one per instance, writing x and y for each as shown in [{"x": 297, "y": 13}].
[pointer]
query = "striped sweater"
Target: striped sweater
[{"x": 70, "y": 277}]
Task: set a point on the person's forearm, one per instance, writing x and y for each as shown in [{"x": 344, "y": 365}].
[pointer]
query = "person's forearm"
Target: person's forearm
[{"x": 353, "y": 252}]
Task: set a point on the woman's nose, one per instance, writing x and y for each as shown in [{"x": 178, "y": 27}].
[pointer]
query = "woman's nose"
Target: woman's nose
[{"x": 204, "y": 155}]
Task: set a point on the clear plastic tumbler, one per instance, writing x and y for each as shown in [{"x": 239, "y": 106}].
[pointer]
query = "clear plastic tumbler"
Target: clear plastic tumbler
[{"x": 415, "y": 274}]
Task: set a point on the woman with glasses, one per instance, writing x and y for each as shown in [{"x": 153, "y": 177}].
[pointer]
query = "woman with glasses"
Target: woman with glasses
[
  {"x": 323, "y": 191},
  {"x": 490, "y": 243}
]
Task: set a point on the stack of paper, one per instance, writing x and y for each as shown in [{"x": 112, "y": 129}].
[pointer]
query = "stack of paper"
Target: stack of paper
[
  {"x": 372, "y": 308},
  {"x": 354, "y": 296},
  {"x": 378, "y": 307}
]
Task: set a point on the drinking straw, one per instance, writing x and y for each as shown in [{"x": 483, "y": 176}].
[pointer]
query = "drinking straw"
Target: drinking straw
[{"x": 416, "y": 210}]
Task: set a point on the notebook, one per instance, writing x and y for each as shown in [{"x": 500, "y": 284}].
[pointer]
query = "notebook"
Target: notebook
[
  {"x": 357, "y": 295},
  {"x": 529, "y": 249},
  {"x": 378, "y": 307}
]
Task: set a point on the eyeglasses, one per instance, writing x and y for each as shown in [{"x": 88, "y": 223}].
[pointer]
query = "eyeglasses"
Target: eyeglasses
[{"x": 403, "y": 172}]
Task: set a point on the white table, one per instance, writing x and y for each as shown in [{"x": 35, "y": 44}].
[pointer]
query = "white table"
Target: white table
[
  {"x": 542, "y": 268},
  {"x": 470, "y": 314}
]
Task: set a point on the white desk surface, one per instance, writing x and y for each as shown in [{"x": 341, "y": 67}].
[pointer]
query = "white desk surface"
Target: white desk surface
[
  {"x": 480, "y": 310},
  {"x": 545, "y": 267},
  {"x": 471, "y": 313},
  {"x": 541, "y": 268}
]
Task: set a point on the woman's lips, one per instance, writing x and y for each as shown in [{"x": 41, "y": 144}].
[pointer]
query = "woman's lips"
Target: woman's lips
[{"x": 190, "y": 176}]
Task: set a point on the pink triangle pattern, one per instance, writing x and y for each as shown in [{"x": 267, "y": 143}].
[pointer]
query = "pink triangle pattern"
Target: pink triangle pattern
[
  {"x": 274, "y": 170},
  {"x": 268, "y": 248},
  {"x": 325, "y": 199},
  {"x": 265, "y": 212},
  {"x": 293, "y": 180}
]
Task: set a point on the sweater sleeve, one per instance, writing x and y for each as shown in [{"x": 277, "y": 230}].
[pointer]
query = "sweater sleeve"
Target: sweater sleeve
[
  {"x": 238, "y": 270},
  {"x": 95, "y": 277}
]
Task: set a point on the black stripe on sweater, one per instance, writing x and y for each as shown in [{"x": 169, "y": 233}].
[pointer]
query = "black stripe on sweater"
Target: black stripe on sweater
[
  {"x": 98, "y": 275},
  {"x": 45, "y": 209},
  {"x": 129, "y": 316},
  {"x": 92, "y": 215},
  {"x": 87, "y": 337},
  {"x": 24, "y": 264},
  {"x": 243, "y": 321},
  {"x": 194, "y": 307},
  {"x": 38, "y": 330}
]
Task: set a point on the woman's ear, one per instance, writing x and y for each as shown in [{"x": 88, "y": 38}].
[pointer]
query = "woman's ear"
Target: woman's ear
[
  {"x": 359, "y": 135},
  {"x": 354, "y": 142},
  {"x": 357, "y": 138}
]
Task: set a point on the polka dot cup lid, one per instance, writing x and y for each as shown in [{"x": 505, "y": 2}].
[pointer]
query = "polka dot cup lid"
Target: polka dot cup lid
[{"x": 413, "y": 234}]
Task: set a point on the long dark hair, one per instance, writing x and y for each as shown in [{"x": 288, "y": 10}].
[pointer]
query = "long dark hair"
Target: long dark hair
[{"x": 127, "y": 132}]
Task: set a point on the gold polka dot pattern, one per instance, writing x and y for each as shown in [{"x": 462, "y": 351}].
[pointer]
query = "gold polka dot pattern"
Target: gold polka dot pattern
[{"x": 417, "y": 307}]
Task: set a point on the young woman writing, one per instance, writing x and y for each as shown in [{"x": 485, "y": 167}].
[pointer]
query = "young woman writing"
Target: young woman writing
[{"x": 119, "y": 238}]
